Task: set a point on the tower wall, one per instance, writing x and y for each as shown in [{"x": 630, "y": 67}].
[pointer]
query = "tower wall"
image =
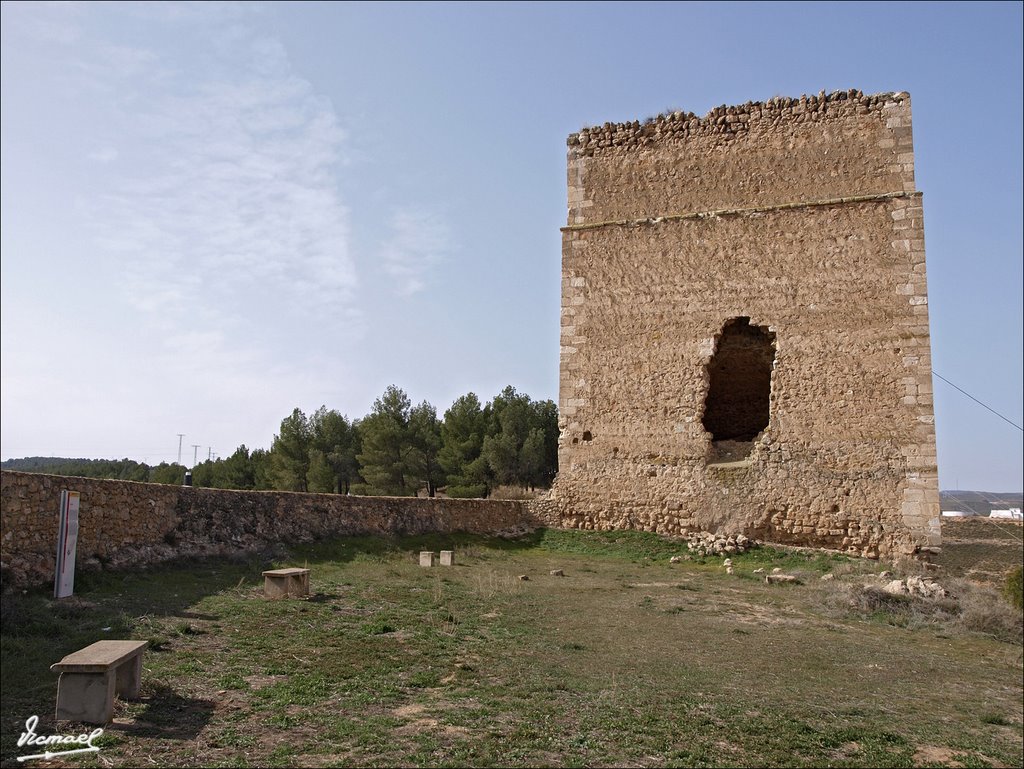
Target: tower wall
[{"x": 796, "y": 216}]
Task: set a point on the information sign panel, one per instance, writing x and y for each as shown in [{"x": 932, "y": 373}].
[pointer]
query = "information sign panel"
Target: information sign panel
[{"x": 67, "y": 541}]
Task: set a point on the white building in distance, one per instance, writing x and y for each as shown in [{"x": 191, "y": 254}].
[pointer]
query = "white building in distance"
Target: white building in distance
[{"x": 1013, "y": 513}]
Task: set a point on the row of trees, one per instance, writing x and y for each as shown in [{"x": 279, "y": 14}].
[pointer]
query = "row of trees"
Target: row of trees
[
  {"x": 400, "y": 449},
  {"x": 117, "y": 469},
  {"x": 397, "y": 449}
]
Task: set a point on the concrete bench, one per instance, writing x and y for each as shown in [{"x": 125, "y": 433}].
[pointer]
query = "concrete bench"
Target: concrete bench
[
  {"x": 286, "y": 583},
  {"x": 90, "y": 677}
]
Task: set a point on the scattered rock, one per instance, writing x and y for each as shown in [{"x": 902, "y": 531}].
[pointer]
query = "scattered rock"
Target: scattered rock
[
  {"x": 705, "y": 543},
  {"x": 758, "y": 571},
  {"x": 773, "y": 578},
  {"x": 523, "y": 578},
  {"x": 557, "y": 573},
  {"x": 924, "y": 587},
  {"x": 675, "y": 559},
  {"x": 827, "y": 577},
  {"x": 776, "y": 570},
  {"x": 897, "y": 587}
]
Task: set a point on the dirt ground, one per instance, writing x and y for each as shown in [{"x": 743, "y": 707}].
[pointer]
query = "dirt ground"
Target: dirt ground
[{"x": 980, "y": 549}]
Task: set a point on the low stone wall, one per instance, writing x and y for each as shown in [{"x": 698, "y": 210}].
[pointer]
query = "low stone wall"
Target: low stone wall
[{"x": 124, "y": 524}]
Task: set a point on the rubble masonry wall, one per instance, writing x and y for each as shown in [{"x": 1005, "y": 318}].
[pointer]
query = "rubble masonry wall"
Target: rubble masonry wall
[
  {"x": 124, "y": 524},
  {"x": 801, "y": 215}
]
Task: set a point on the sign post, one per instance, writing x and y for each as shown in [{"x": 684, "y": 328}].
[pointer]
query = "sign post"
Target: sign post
[{"x": 67, "y": 541}]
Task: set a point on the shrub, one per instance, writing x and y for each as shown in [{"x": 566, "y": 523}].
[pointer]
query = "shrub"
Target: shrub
[
  {"x": 514, "y": 492},
  {"x": 983, "y": 610},
  {"x": 971, "y": 607},
  {"x": 473, "y": 491},
  {"x": 1014, "y": 588}
]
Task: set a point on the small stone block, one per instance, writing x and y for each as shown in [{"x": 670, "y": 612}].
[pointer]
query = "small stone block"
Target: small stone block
[
  {"x": 286, "y": 583},
  {"x": 427, "y": 558},
  {"x": 557, "y": 573},
  {"x": 773, "y": 578},
  {"x": 447, "y": 557},
  {"x": 523, "y": 578}
]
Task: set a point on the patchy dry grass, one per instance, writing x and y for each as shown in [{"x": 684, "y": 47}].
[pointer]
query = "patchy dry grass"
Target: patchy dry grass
[
  {"x": 627, "y": 660},
  {"x": 970, "y": 608}
]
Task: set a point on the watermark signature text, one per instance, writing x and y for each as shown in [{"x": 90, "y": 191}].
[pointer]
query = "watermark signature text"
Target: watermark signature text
[{"x": 30, "y": 738}]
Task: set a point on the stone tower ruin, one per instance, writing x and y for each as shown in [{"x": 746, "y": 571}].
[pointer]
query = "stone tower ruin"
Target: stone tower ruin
[{"x": 744, "y": 342}]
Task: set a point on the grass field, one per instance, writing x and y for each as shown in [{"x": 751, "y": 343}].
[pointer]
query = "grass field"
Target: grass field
[{"x": 627, "y": 660}]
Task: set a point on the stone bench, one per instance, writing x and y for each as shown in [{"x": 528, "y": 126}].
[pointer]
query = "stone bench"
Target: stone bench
[
  {"x": 286, "y": 583},
  {"x": 90, "y": 677}
]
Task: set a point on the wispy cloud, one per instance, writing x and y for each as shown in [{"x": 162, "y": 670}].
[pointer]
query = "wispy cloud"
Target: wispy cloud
[
  {"x": 419, "y": 241},
  {"x": 204, "y": 229},
  {"x": 235, "y": 196},
  {"x": 103, "y": 155},
  {"x": 56, "y": 22},
  {"x": 216, "y": 237}
]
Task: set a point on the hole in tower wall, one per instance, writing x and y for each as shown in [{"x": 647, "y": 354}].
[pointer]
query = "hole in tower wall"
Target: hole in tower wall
[{"x": 739, "y": 389}]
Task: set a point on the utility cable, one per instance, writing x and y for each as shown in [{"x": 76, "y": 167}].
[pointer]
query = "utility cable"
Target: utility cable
[
  {"x": 992, "y": 522},
  {"x": 936, "y": 373}
]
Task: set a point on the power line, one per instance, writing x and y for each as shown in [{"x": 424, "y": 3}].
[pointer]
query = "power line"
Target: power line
[
  {"x": 1012, "y": 532},
  {"x": 976, "y": 400}
]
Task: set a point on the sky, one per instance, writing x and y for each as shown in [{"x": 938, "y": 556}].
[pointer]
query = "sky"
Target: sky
[{"x": 215, "y": 213}]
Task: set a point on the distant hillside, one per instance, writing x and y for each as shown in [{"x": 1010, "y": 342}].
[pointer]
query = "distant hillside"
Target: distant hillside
[
  {"x": 980, "y": 502},
  {"x": 38, "y": 464},
  {"x": 119, "y": 469}
]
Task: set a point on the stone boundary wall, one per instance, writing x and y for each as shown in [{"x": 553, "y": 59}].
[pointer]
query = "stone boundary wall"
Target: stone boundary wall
[{"x": 125, "y": 524}]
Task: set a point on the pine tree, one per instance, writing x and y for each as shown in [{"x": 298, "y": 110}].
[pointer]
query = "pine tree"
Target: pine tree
[
  {"x": 462, "y": 441},
  {"x": 334, "y": 440},
  {"x": 290, "y": 453},
  {"x": 384, "y": 458},
  {"x": 425, "y": 440}
]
